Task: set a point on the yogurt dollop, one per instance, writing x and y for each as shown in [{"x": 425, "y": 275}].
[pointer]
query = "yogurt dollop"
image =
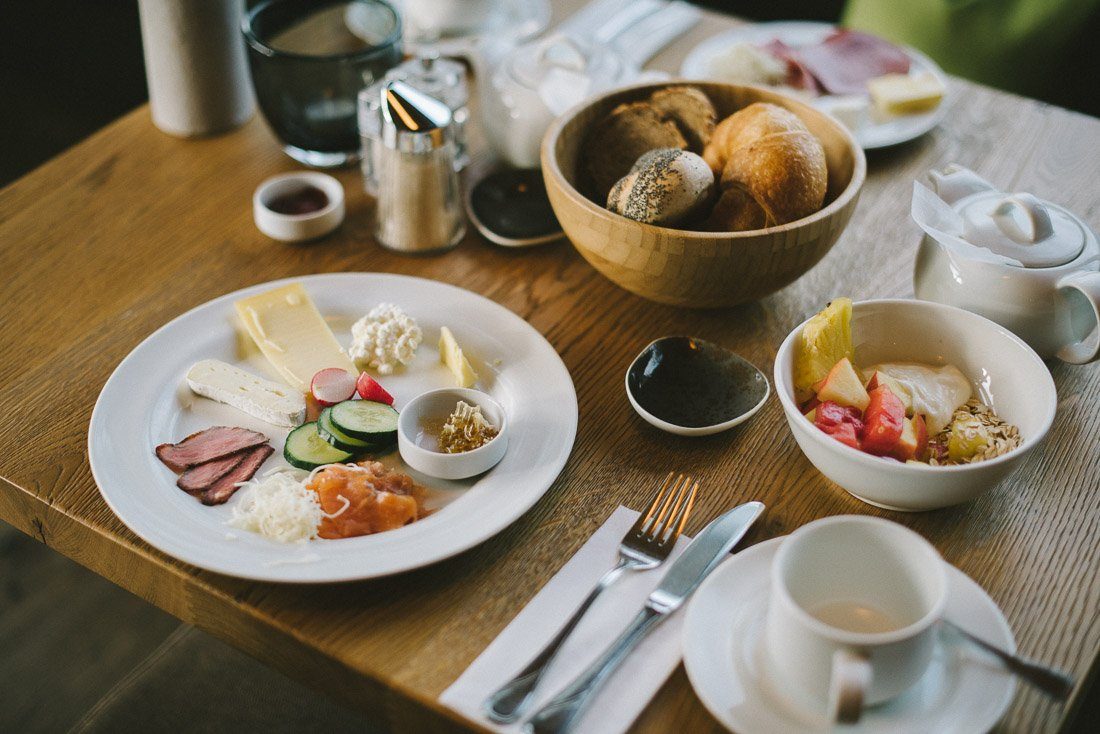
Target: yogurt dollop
[{"x": 936, "y": 391}]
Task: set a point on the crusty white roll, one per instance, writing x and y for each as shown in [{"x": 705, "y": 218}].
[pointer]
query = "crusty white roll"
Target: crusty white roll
[{"x": 772, "y": 169}]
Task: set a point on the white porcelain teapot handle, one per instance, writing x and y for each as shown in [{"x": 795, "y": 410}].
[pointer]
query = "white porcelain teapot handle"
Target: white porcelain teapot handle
[
  {"x": 1035, "y": 214},
  {"x": 1087, "y": 284}
]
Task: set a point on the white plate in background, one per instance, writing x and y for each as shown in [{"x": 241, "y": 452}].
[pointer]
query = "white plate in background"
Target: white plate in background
[{"x": 875, "y": 134}]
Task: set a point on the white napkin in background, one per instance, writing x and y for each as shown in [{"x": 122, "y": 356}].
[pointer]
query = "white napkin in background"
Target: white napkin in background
[{"x": 635, "y": 682}]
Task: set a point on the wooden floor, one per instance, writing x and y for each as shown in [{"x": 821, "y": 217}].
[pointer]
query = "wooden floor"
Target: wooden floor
[
  {"x": 66, "y": 635},
  {"x": 79, "y": 654}
]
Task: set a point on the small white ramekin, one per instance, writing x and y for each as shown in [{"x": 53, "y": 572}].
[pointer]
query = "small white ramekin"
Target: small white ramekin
[
  {"x": 450, "y": 466},
  {"x": 298, "y": 227}
]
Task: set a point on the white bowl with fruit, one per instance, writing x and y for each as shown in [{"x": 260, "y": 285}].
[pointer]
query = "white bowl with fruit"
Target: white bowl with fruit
[{"x": 912, "y": 405}]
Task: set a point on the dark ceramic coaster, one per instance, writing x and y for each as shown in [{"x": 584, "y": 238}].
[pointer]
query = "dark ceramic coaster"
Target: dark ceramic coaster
[{"x": 510, "y": 207}]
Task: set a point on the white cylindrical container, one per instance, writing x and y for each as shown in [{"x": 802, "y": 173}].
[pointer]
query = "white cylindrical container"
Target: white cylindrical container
[{"x": 195, "y": 65}]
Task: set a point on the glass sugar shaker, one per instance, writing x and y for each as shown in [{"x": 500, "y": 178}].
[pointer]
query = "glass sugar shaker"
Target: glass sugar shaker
[{"x": 419, "y": 208}]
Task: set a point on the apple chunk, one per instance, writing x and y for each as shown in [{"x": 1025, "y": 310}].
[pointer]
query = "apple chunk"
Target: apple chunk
[
  {"x": 881, "y": 379},
  {"x": 883, "y": 422},
  {"x": 843, "y": 386},
  {"x": 841, "y": 422},
  {"x": 914, "y": 439}
]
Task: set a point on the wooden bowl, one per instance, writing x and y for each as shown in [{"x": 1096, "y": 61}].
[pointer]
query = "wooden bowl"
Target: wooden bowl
[{"x": 691, "y": 268}]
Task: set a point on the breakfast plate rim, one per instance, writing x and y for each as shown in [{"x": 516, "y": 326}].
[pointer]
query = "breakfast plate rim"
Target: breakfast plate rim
[{"x": 119, "y": 493}]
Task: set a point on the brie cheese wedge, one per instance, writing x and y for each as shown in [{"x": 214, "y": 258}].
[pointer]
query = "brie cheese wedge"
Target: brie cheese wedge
[{"x": 269, "y": 401}]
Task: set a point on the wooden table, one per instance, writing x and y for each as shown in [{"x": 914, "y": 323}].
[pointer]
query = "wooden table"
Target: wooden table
[{"x": 113, "y": 238}]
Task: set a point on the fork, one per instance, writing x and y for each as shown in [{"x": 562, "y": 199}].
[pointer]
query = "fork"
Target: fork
[{"x": 646, "y": 545}]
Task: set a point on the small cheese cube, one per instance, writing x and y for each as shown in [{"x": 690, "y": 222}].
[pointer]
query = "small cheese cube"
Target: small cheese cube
[{"x": 904, "y": 94}]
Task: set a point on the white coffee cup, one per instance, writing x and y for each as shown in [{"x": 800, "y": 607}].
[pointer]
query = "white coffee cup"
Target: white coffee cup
[{"x": 852, "y": 614}]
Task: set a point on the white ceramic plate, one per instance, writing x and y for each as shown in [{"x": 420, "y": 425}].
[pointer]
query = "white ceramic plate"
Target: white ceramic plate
[
  {"x": 963, "y": 690},
  {"x": 876, "y": 134},
  {"x": 146, "y": 402}
]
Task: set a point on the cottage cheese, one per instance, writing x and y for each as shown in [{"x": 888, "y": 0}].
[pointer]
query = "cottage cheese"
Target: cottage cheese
[{"x": 385, "y": 338}]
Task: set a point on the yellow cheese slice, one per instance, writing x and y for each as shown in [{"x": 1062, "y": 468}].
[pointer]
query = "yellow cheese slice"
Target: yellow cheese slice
[
  {"x": 291, "y": 333},
  {"x": 902, "y": 94},
  {"x": 451, "y": 355}
]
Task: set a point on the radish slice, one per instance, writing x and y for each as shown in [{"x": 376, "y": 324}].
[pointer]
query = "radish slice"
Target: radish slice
[
  {"x": 369, "y": 389},
  {"x": 331, "y": 386}
]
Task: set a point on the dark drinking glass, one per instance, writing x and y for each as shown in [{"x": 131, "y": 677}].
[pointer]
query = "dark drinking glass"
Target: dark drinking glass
[{"x": 309, "y": 59}]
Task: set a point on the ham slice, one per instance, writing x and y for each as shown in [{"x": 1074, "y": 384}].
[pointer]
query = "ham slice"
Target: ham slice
[
  {"x": 798, "y": 76},
  {"x": 213, "y": 443},
  {"x": 222, "y": 489},
  {"x": 846, "y": 60}
]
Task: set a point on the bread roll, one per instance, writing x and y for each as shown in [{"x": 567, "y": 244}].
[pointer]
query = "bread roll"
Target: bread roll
[
  {"x": 618, "y": 140},
  {"x": 691, "y": 111},
  {"x": 665, "y": 186},
  {"x": 773, "y": 169},
  {"x": 736, "y": 211},
  {"x": 744, "y": 126}
]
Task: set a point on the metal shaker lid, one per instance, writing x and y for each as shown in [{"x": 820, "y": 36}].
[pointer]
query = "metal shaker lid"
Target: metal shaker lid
[{"x": 412, "y": 121}]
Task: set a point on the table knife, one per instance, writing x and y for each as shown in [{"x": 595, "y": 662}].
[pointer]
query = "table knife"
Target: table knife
[{"x": 710, "y": 547}]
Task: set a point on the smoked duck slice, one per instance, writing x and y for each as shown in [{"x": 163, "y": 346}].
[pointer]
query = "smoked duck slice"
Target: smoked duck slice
[
  {"x": 208, "y": 445},
  {"x": 221, "y": 490}
]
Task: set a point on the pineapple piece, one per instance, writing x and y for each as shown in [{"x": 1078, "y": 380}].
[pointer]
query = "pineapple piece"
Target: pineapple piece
[
  {"x": 966, "y": 439},
  {"x": 825, "y": 340}
]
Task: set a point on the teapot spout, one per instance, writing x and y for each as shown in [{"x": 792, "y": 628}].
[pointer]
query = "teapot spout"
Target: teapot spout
[{"x": 955, "y": 183}]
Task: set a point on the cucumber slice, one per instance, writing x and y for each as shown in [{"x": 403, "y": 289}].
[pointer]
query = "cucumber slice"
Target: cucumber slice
[
  {"x": 366, "y": 420},
  {"x": 305, "y": 449},
  {"x": 338, "y": 438}
]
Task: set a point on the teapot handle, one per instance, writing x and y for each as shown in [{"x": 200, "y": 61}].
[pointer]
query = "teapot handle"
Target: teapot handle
[
  {"x": 1087, "y": 349},
  {"x": 1037, "y": 217}
]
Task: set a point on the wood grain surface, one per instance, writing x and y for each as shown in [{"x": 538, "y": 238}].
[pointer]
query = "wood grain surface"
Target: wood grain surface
[{"x": 104, "y": 244}]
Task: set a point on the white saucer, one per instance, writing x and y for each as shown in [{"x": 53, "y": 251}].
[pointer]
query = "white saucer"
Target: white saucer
[{"x": 964, "y": 690}]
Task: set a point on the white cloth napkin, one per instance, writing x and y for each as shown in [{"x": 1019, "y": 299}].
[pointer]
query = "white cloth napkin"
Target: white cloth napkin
[
  {"x": 629, "y": 690},
  {"x": 946, "y": 226}
]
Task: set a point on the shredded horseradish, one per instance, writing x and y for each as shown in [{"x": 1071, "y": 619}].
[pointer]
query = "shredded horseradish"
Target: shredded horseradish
[{"x": 278, "y": 506}]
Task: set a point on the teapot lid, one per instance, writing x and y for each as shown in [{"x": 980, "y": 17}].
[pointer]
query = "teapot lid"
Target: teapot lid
[
  {"x": 531, "y": 63},
  {"x": 1034, "y": 232}
]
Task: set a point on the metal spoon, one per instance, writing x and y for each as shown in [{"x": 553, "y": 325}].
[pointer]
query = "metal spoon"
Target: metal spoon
[
  {"x": 1049, "y": 680},
  {"x": 692, "y": 387}
]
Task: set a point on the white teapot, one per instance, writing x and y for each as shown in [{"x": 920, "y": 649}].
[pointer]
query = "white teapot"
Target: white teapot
[
  {"x": 1027, "y": 264},
  {"x": 535, "y": 83}
]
